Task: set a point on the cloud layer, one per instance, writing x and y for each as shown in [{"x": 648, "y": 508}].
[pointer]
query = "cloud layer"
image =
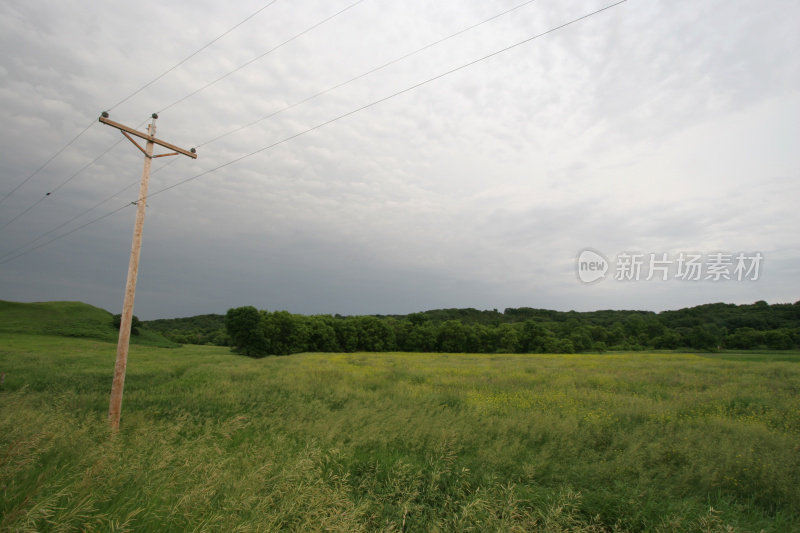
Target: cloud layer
[{"x": 653, "y": 127}]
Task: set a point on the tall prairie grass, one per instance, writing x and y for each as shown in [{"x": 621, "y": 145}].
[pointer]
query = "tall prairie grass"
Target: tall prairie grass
[{"x": 396, "y": 442}]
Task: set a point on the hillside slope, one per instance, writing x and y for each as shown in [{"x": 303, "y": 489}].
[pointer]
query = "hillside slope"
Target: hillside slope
[{"x": 68, "y": 319}]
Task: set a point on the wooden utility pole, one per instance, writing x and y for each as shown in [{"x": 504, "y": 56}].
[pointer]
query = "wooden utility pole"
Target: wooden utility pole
[{"x": 115, "y": 406}]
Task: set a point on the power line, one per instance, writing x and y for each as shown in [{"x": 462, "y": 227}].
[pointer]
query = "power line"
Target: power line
[
  {"x": 240, "y": 67},
  {"x": 367, "y": 73},
  {"x": 187, "y": 58},
  {"x": 342, "y": 84},
  {"x": 26, "y": 180},
  {"x": 146, "y": 85},
  {"x": 8, "y": 257},
  {"x": 389, "y": 97},
  {"x": 70, "y": 178},
  {"x": 307, "y": 30},
  {"x": 76, "y": 173},
  {"x": 15, "y": 251},
  {"x": 3, "y": 258}
]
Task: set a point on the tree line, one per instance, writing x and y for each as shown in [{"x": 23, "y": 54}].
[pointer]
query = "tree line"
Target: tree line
[{"x": 258, "y": 333}]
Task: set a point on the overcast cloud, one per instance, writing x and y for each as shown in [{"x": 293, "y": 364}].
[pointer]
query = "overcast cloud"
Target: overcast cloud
[{"x": 654, "y": 126}]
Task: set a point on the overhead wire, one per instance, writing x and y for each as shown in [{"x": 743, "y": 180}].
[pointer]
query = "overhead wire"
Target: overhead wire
[
  {"x": 287, "y": 41},
  {"x": 389, "y": 97},
  {"x": 12, "y": 256},
  {"x": 367, "y": 73},
  {"x": 300, "y": 102},
  {"x": 8, "y": 257},
  {"x": 131, "y": 95},
  {"x": 55, "y": 189},
  {"x": 79, "y": 215},
  {"x": 187, "y": 58},
  {"x": 260, "y": 56},
  {"x": 63, "y": 183},
  {"x": 43, "y": 165}
]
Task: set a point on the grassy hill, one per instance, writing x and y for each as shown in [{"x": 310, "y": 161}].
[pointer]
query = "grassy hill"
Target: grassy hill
[{"x": 68, "y": 319}]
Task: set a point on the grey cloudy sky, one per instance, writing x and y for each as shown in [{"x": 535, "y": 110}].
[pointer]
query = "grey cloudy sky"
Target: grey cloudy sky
[{"x": 654, "y": 126}]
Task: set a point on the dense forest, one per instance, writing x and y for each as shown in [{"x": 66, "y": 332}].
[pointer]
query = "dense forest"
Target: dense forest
[{"x": 521, "y": 330}]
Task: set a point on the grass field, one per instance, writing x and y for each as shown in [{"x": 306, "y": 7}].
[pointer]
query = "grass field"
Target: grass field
[{"x": 212, "y": 441}]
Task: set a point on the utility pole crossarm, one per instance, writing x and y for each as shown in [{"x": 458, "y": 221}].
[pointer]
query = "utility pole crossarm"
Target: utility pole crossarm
[{"x": 147, "y": 137}]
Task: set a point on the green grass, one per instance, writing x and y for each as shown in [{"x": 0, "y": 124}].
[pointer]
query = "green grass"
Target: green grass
[
  {"x": 68, "y": 319},
  {"x": 396, "y": 442},
  {"x": 755, "y": 356}
]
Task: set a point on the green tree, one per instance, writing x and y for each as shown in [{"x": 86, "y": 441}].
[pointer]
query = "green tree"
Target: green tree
[
  {"x": 451, "y": 337},
  {"x": 346, "y": 334},
  {"x": 778, "y": 339},
  {"x": 417, "y": 319},
  {"x": 135, "y": 323},
  {"x": 745, "y": 338},
  {"x": 219, "y": 338},
  {"x": 557, "y": 345},
  {"x": 635, "y": 327},
  {"x": 284, "y": 333},
  {"x": 374, "y": 335},
  {"x": 599, "y": 334},
  {"x": 581, "y": 339},
  {"x": 534, "y": 336},
  {"x": 322, "y": 335},
  {"x": 508, "y": 339},
  {"x": 616, "y": 335},
  {"x": 668, "y": 340},
  {"x": 243, "y": 325},
  {"x": 482, "y": 338},
  {"x": 705, "y": 337},
  {"x": 422, "y": 338},
  {"x": 401, "y": 329}
]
